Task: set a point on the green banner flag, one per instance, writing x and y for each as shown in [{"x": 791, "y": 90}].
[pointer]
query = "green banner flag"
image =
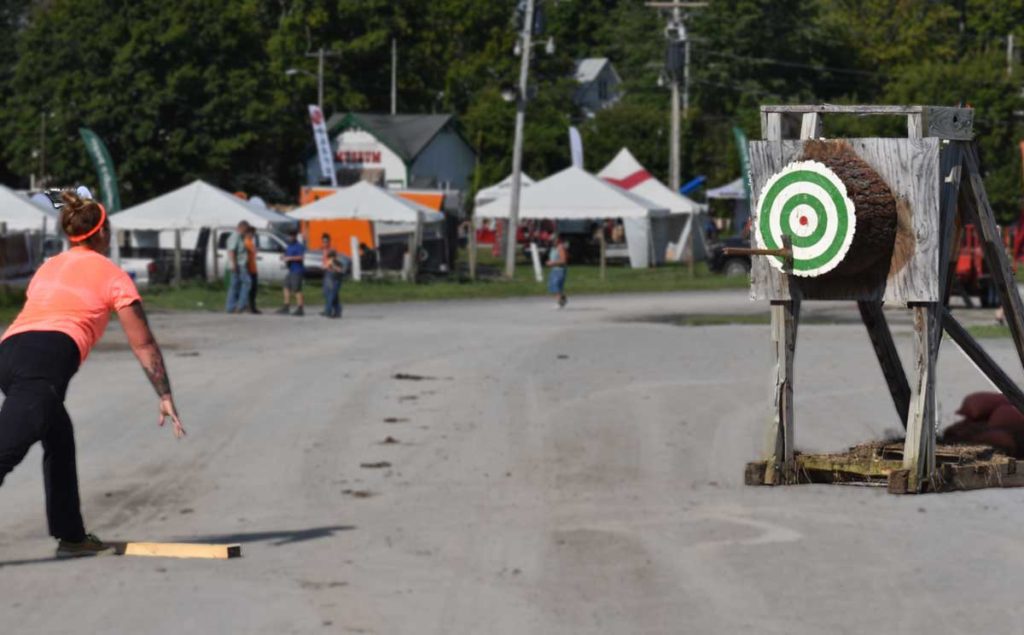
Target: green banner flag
[
  {"x": 741, "y": 145},
  {"x": 104, "y": 169}
]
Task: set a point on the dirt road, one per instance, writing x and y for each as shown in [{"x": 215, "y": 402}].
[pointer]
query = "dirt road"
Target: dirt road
[{"x": 575, "y": 471}]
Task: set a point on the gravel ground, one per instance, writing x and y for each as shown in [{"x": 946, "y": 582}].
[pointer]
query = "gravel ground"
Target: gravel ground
[{"x": 575, "y": 471}]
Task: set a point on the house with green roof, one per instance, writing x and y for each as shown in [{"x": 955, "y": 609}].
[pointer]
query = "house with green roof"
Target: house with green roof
[{"x": 397, "y": 151}]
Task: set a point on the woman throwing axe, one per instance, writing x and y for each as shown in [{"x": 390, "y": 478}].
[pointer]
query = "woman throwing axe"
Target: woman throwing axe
[{"x": 67, "y": 308}]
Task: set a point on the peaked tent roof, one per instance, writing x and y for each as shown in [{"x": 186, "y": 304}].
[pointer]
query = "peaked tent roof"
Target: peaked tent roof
[
  {"x": 500, "y": 189},
  {"x": 573, "y": 194},
  {"x": 732, "y": 189},
  {"x": 193, "y": 206},
  {"x": 366, "y": 201},
  {"x": 407, "y": 135},
  {"x": 626, "y": 172},
  {"x": 21, "y": 214}
]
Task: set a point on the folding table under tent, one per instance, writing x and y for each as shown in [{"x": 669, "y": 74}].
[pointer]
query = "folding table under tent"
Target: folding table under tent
[
  {"x": 626, "y": 172},
  {"x": 574, "y": 194}
]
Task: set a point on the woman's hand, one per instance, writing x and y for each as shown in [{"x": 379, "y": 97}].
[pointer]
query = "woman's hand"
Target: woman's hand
[{"x": 167, "y": 409}]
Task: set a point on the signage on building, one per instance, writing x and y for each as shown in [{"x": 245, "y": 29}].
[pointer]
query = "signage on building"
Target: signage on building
[{"x": 358, "y": 154}]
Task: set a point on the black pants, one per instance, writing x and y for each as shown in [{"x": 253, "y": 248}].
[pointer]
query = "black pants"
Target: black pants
[
  {"x": 252, "y": 293},
  {"x": 35, "y": 369}
]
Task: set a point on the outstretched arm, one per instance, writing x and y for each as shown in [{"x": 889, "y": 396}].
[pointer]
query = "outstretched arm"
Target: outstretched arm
[{"x": 143, "y": 344}]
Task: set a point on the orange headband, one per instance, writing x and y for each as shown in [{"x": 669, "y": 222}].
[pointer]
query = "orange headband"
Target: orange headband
[{"x": 103, "y": 218}]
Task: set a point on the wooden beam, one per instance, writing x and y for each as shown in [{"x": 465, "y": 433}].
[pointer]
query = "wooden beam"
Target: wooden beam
[
  {"x": 935, "y": 121},
  {"x": 951, "y": 170},
  {"x": 982, "y": 360},
  {"x": 810, "y": 126},
  {"x": 888, "y": 357},
  {"x": 919, "y": 448},
  {"x": 779, "y": 436},
  {"x": 975, "y": 203},
  {"x": 180, "y": 550}
]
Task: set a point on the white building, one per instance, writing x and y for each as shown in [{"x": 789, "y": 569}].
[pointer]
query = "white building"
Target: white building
[
  {"x": 397, "y": 151},
  {"x": 598, "y": 84}
]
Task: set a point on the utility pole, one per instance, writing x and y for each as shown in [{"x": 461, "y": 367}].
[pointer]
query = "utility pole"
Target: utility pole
[
  {"x": 42, "y": 151},
  {"x": 394, "y": 76},
  {"x": 517, "y": 147},
  {"x": 1009, "y": 55},
  {"x": 678, "y": 42},
  {"x": 320, "y": 55}
]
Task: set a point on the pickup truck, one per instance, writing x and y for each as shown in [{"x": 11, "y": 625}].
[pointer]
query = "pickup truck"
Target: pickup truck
[{"x": 270, "y": 246}]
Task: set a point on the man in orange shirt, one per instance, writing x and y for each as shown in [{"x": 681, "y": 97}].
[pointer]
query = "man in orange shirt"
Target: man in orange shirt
[
  {"x": 67, "y": 308},
  {"x": 250, "y": 263}
]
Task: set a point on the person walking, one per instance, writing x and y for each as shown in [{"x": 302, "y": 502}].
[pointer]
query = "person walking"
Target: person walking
[
  {"x": 294, "y": 254},
  {"x": 558, "y": 260},
  {"x": 250, "y": 251},
  {"x": 67, "y": 308},
  {"x": 240, "y": 281},
  {"x": 334, "y": 271}
]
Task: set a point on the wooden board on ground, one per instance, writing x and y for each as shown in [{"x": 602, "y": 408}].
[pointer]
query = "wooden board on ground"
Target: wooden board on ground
[
  {"x": 179, "y": 550},
  {"x": 959, "y": 467}
]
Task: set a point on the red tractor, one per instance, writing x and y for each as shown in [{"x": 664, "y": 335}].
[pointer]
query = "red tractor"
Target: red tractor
[{"x": 972, "y": 275}]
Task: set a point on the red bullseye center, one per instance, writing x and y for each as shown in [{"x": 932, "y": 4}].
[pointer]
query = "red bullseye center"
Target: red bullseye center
[{"x": 803, "y": 220}]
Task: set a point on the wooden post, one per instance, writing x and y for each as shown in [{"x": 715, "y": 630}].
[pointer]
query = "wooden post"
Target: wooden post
[
  {"x": 977, "y": 206},
  {"x": 779, "y": 437},
  {"x": 810, "y": 126},
  {"x": 604, "y": 254},
  {"x": 888, "y": 357},
  {"x": 919, "y": 448},
  {"x": 213, "y": 246},
  {"x": 177, "y": 257},
  {"x": 471, "y": 248},
  {"x": 357, "y": 265}
]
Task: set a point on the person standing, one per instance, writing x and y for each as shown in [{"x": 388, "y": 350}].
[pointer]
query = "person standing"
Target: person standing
[
  {"x": 67, "y": 308},
  {"x": 325, "y": 263},
  {"x": 334, "y": 271},
  {"x": 240, "y": 281},
  {"x": 293, "y": 257},
  {"x": 250, "y": 251},
  {"x": 558, "y": 260}
]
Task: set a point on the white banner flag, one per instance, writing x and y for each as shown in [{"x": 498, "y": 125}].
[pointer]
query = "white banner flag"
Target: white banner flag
[
  {"x": 576, "y": 146},
  {"x": 323, "y": 144}
]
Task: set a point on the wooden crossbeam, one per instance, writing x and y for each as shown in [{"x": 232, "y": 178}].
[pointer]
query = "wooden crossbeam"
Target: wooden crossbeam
[
  {"x": 982, "y": 360},
  {"x": 923, "y": 121},
  {"x": 179, "y": 550},
  {"x": 975, "y": 203},
  {"x": 888, "y": 357}
]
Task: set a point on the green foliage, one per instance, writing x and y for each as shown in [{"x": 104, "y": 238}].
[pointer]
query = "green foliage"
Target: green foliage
[{"x": 197, "y": 89}]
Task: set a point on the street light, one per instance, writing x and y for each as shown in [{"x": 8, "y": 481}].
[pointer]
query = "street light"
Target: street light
[{"x": 320, "y": 55}]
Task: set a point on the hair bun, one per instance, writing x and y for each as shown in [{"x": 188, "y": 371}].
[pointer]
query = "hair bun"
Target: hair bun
[{"x": 70, "y": 198}]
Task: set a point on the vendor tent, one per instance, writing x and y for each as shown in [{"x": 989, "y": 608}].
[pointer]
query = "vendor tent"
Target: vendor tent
[
  {"x": 626, "y": 172},
  {"x": 19, "y": 213},
  {"x": 732, "y": 190},
  {"x": 195, "y": 206},
  {"x": 498, "y": 190},
  {"x": 365, "y": 201},
  {"x": 574, "y": 194}
]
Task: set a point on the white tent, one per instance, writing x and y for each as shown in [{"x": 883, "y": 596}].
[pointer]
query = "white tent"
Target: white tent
[
  {"x": 731, "y": 190},
  {"x": 626, "y": 172},
  {"x": 574, "y": 194},
  {"x": 21, "y": 214},
  {"x": 195, "y": 206},
  {"x": 498, "y": 190},
  {"x": 365, "y": 201}
]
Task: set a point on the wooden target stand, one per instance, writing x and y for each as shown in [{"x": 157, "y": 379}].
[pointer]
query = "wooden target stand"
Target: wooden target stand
[{"x": 935, "y": 174}]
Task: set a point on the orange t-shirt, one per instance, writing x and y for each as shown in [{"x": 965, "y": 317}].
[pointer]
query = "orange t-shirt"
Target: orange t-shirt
[
  {"x": 250, "y": 246},
  {"x": 74, "y": 293}
]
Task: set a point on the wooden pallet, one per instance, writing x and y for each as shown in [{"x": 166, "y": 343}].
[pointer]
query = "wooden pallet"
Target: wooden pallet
[{"x": 958, "y": 467}]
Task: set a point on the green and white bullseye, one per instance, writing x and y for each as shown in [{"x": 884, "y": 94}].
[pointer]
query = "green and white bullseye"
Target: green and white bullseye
[{"x": 807, "y": 202}]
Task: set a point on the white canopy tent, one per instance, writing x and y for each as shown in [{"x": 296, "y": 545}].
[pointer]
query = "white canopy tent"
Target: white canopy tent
[
  {"x": 365, "y": 201},
  {"x": 574, "y": 194},
  {"x": 500, "y": 189},
  {"x": 19, "y": 213},
  {"x": 195, "y": 206},
  {"x": 626, "y": 172},
  {"x": 731, "y": 190}
]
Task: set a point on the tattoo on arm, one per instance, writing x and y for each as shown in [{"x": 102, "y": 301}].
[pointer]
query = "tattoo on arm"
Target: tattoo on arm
[{"x": 152, "y": 359}]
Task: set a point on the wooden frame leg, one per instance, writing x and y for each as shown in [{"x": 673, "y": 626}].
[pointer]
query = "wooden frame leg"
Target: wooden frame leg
[
  {"x": 919, "y": 448},
  {"x": 779, "y": 446},
  {"x": 981, "y": 360},
  {"x": 888, "y": 358}
]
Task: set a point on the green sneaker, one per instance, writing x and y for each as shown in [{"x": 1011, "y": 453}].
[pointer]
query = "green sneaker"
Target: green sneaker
[{"x": 91, "y": 546}]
